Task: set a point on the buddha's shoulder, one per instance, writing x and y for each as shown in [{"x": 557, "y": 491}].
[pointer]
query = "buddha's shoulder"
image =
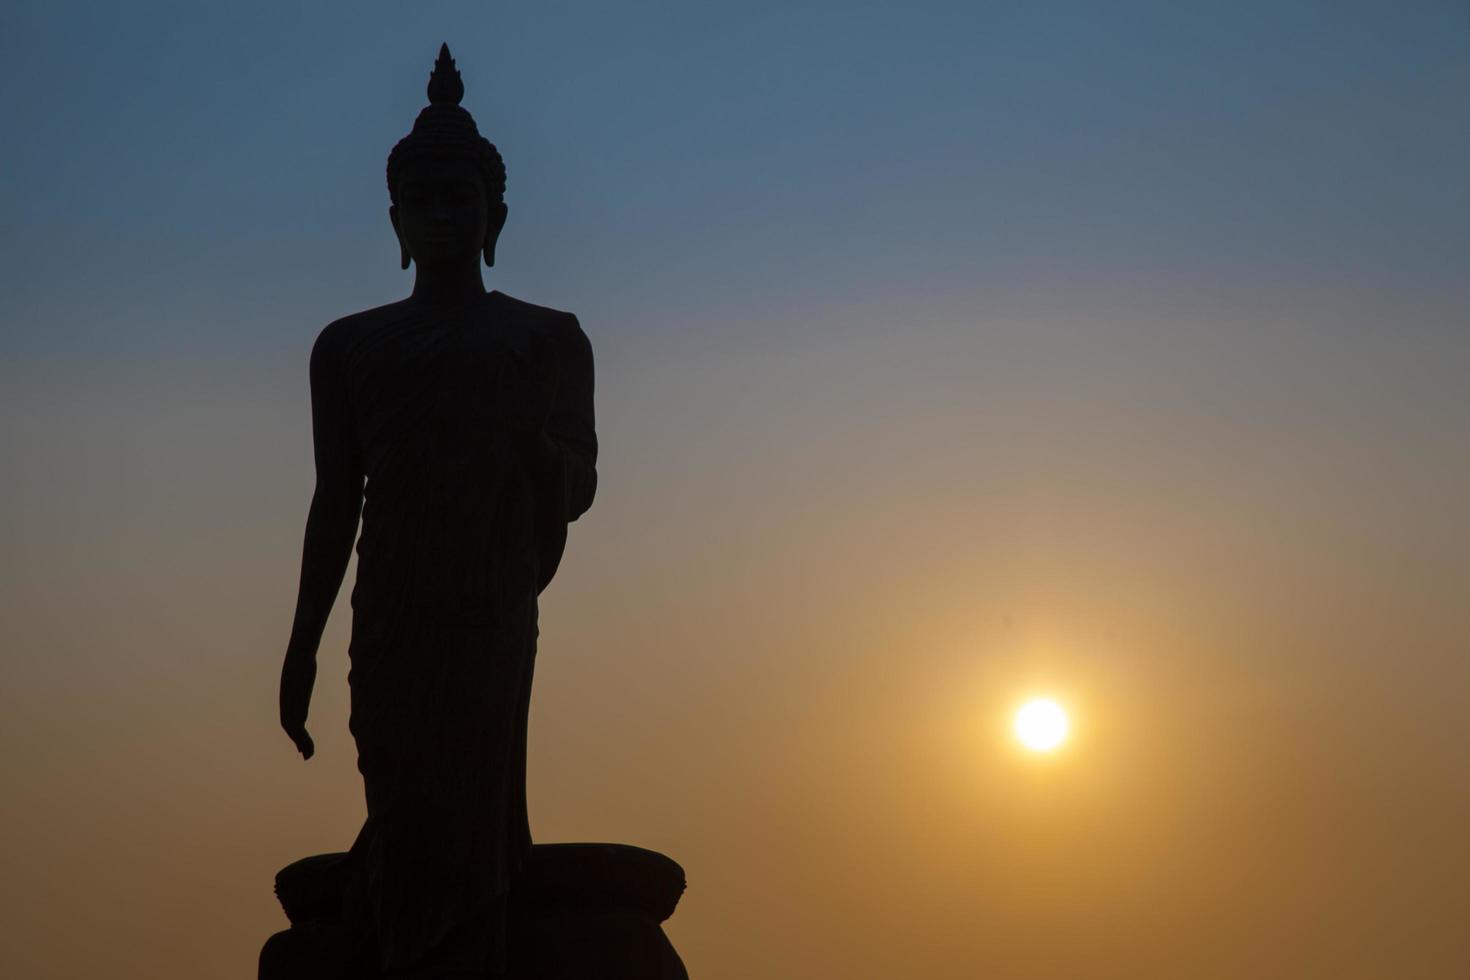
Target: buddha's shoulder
[
  {"x": 558, "y": 325},
  {"x": 345, "y": 328},
  {"x": 533, "y": 315},
  {"x": 346, "y": 331}
]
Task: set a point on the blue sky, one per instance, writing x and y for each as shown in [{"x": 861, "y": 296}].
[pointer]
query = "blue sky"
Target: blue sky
[{"x": 662, "y": 155}]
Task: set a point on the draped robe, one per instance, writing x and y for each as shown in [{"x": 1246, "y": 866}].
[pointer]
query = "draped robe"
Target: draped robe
[{"x": 462, "y": 526}]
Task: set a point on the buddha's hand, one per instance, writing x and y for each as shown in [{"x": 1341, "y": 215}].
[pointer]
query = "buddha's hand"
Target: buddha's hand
[
  {"x": 298, "y": 676},
  {"x": 531, "y": 393}
]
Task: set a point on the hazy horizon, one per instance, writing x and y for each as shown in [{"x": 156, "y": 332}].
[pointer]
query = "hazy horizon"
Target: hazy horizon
[{"x": 946, "y": 354}]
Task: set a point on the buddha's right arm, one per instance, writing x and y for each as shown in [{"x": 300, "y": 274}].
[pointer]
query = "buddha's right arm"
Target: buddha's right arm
[
  {"x": 331, "y": 529},
  {"x": 336, "y": 505}
]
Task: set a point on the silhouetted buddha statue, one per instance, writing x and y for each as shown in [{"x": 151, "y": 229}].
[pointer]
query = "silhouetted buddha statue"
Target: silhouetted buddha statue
[{"x": 458, "y": 425}]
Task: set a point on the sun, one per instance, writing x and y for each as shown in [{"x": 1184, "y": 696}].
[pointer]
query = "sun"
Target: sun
[{"x": 1041, "y": 725}]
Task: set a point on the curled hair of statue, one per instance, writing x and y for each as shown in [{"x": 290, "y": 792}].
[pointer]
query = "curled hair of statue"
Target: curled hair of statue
[{"x": 445, "y": 129}]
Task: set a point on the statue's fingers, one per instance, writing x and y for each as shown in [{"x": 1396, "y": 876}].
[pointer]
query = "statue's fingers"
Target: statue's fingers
[{"x": 300, "y": 738}]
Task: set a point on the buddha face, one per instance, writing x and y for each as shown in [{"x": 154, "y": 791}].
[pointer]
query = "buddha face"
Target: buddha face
[{"x": 443, "y": 218}]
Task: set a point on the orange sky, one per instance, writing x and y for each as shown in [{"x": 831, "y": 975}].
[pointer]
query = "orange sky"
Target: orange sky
[{"x": 786, "y": 655}]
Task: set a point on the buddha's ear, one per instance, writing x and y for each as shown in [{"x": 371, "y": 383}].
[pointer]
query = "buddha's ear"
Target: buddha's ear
[
  {"x": 495, "y": 221},
  {"x": 403, "y": 256}
]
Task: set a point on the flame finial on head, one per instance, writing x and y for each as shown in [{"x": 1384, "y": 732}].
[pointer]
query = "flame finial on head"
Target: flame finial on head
[{"x": 445, "y": 85}]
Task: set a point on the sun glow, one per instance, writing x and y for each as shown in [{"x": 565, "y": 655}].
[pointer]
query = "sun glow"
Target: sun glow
[{"x": 1041, "y": 725}]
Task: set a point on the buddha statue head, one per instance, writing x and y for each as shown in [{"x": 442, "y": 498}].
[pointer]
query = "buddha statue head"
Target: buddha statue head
[{"x": 446, "y": 181}]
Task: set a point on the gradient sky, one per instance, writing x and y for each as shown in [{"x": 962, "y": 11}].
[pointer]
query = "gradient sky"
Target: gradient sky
[{"x": 947, "y": 352}]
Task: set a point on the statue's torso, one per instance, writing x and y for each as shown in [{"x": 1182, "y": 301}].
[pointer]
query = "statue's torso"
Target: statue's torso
[{"x": 448, "y": 521}]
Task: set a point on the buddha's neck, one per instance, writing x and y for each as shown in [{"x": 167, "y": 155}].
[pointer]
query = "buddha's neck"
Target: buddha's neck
[{"x": 448, "y": 286}]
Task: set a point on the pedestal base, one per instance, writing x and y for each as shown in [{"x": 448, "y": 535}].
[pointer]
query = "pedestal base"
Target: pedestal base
[{"x": 578, "y": 912}]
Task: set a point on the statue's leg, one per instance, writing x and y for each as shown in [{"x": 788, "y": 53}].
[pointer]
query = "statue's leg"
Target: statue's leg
[
  {"x": 519, "y": 820},
  {"x": 441, "y": 741}
]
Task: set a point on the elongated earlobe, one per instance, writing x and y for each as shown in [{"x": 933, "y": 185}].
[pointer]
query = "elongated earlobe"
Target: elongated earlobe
[
  {"x": 403, "y": 256},
  {"x": 493, "y": 228}
]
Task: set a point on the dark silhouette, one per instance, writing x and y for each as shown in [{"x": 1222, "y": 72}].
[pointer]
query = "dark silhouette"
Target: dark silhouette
[
  {"x": 578, "y": 912},
  {"x": 458, "y": 425}
]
